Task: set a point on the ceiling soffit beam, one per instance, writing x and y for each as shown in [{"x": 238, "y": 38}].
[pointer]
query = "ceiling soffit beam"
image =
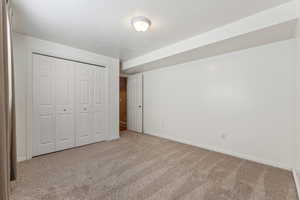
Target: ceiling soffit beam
[{"x": 267, "y": 18}]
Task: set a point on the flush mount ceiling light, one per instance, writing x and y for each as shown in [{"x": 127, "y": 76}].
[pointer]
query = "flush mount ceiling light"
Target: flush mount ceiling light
[{"x": 141, "y": 24}]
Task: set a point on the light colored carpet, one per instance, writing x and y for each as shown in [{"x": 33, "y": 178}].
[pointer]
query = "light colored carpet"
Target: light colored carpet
[{"x": 139, "y": 167}]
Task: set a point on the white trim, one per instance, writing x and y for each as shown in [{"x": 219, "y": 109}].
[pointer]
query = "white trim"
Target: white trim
[
  {"x": 114, "y": 138},
  {"x": 115, "y": 102},
  {"x": 21, "y": 158},
  {"x": 227, "y": 152},
  {"x": 297, "y": 181},
  {"x": 29, "y": 111}
]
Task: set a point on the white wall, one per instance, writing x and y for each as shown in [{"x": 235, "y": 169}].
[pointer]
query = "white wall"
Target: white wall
[
  {"x": 242, "y": 103},
  {"x": 297, "y": 74},
  {"x": 23, "y": 47}
]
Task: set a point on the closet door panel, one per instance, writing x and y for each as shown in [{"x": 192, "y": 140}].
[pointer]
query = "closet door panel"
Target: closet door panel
[
  {"x": 64, "y": 101},
  {"x": 83, "y": 96},
  {"x": 44, "y": 107},
  {"x": 99, "y": 104}
]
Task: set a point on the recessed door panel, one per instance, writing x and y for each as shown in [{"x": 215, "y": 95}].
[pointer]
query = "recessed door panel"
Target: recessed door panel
[
  {"x": 65, "y": 131},
  {"x": 100, "y": 125},
  {"x": 84, "y": 92},
  {"x": 45, "y": 90},
  {"x": 46, "y": 127},
  {"x": 83, "y": 125}
]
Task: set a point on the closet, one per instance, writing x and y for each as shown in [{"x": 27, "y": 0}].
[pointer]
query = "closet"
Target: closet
[{"x": 69, "y": 104}]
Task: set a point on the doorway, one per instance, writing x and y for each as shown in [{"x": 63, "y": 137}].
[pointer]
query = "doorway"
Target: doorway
[{"x": 123, "y": 104}]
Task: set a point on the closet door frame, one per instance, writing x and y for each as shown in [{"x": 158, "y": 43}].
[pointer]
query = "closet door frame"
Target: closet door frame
[{"x": 28, "y": 132}]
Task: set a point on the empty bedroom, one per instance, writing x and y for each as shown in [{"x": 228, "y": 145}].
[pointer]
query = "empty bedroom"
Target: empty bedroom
[{"x": 150, "y": 100}]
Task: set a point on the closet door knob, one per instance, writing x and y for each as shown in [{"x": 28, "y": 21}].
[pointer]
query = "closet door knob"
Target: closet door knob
[{"x": 65, "y": 110}]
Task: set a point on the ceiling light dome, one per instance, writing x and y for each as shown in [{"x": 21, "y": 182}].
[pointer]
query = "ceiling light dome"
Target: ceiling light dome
[{"x": 141, "y": 24}]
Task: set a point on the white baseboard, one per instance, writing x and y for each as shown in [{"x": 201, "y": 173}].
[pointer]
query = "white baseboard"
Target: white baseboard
[
  {"x": 21, "y": 158},
  {"x": 296, "y": 174},
  {"x": 114, "y": 138},
  {"x": 227, "y": 152}
]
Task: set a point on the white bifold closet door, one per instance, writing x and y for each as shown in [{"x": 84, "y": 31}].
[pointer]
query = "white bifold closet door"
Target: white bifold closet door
[
  {"x": 64, "y": 104},
  {"x": 53, "y": 104},
  {"x": 69, "y": 104},
  {"x": 135, "y": 102},
  {"x": 91, "y": 119},
  {"x": 83, "y": 98}
]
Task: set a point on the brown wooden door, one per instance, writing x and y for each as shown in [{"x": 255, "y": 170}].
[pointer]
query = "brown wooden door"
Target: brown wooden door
[{"x": 123, "y": 103}]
